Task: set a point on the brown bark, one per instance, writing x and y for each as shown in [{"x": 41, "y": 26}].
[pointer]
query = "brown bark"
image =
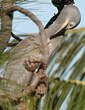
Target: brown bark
[{"x": 6, "y": 24}]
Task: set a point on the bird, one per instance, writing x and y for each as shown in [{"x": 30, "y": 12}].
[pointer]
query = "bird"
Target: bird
[
  {"x": 59, "y": 4},
  {"x": 68, "y": 17}
]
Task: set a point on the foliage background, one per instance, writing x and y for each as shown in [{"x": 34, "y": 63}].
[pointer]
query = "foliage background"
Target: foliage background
[{"x": 66, "y": 72}]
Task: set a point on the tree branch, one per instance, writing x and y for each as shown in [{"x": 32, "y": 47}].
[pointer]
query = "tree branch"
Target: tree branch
[
  {"x": 6, "y": 24},
  {"x": 42, "y": 33},
  {"x": 28, "y": 14}
]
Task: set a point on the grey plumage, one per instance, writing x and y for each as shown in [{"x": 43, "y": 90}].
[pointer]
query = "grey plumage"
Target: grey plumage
[{"x": 68, "y": 18}]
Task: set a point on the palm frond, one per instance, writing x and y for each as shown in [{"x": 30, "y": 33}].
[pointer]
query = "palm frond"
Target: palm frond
[{"x": 66, "y": 73}]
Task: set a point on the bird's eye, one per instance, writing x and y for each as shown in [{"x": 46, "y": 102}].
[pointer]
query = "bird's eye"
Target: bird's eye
[{"x": 70, "y": 25}]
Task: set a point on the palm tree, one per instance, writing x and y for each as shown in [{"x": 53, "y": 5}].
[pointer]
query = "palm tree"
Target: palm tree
[{"x": 66, "y": 79}]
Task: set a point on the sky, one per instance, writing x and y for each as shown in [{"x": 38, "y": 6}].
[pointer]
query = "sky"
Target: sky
[{"x": 44, "y": 11}]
